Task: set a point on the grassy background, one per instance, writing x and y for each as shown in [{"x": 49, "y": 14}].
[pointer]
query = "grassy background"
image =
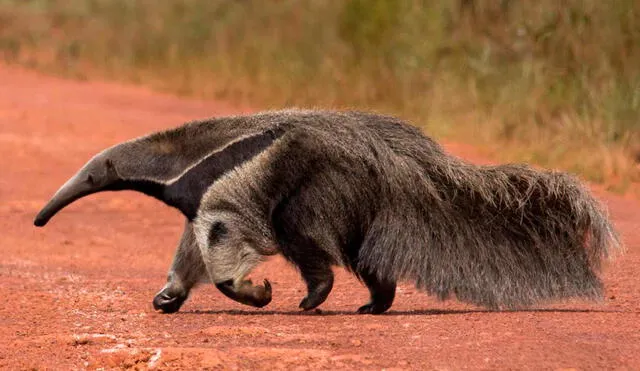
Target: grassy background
[{"x": 553, "y": 82}]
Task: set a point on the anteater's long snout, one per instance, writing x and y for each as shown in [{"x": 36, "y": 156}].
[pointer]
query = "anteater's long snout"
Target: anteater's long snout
[{"x": 75, "y": 188}]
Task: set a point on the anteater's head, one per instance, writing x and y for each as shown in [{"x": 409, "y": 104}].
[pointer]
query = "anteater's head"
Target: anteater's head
[
  {"x": 99, "y": 174},
  {"x": 176, "y": 166}
]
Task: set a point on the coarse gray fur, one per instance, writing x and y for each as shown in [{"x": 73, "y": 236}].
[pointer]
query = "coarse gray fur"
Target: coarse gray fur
[{"x": 364, "y": 191}]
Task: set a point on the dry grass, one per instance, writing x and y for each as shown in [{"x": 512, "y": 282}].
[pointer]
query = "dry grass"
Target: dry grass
[{"x": 552, "y": 82}]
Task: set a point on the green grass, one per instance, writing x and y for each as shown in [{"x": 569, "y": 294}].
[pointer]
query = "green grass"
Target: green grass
[{"x": 556, "y": 83}]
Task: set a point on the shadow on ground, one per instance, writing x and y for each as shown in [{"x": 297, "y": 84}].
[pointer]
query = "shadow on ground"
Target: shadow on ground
[{"x": 423, "y": 312}]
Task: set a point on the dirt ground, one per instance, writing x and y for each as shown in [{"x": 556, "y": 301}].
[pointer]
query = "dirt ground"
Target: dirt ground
[{"x": 78, "y": 292}]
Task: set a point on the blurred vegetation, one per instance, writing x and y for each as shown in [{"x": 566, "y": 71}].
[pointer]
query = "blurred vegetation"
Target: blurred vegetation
[{"x": 553, "y": 82}]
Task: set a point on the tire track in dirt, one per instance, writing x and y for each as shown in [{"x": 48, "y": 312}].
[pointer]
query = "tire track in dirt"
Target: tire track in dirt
[{"x": 78, "y": 293}]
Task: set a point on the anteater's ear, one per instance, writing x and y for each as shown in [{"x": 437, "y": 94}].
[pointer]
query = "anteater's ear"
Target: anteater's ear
[{"x": 112, "y": 173}]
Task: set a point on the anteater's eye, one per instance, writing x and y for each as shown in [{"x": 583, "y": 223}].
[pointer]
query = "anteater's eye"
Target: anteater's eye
[{"x": 90, "y": 179}]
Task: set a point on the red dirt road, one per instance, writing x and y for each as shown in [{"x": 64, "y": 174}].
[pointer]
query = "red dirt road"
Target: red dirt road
[{"x": 77, "y": 294}]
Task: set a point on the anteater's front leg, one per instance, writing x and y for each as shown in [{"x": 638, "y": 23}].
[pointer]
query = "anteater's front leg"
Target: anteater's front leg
[
  {"x": 186, "y": 270},
  {"x": 229, "y": 254},
  {"x": 246, "y": 293}
]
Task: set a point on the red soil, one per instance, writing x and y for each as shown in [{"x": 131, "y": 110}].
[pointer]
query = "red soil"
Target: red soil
[{"x": 79, "y": 291}]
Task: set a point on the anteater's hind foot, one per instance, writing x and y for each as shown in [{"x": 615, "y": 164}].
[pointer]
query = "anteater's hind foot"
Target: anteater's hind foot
[
  {"x": 319, "y": 284},
  {"x": 382, "y": 294}
]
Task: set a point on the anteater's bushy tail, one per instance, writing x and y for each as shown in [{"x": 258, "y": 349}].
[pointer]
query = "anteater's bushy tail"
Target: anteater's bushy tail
[{"x": 497, "y": 236}]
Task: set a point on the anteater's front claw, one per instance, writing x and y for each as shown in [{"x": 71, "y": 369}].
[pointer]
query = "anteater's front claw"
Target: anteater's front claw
[{"x": 246, "y": 293}]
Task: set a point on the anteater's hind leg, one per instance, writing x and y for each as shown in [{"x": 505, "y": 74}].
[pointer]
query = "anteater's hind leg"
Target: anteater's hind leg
[
  {"x": 186, "y": 271},
  {"x": 313, "y": 262},
  {"x": 382, "y": 294},
  {"x": 319, "y": 279}
]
